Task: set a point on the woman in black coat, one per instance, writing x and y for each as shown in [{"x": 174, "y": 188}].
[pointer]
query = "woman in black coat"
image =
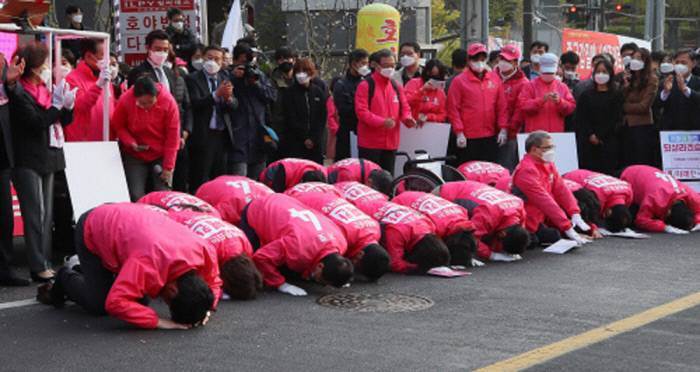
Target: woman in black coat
[
  {"x": 598, "y": 117},
  {"x": 304, "y": 107},
  {"x": 37, "y": 118}
]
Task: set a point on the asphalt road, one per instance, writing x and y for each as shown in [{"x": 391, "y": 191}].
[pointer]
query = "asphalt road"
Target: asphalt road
[{"x": 498, "y": 312}]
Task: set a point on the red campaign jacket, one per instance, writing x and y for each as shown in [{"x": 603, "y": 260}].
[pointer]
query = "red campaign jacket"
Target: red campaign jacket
[
  {"x": 402, "y": 229},
  {"x": 511, "y": 89},
  {"x": 477, "y": 107},
  {"x": 546, "y": 196},
  {"x": 483, "y": 171},
  {"x": 448, "y": 218},
  {"x": 491, "y": 210},
  {"x": 312, "y": 188},
  {"x": 430, "y": 102},
  {"x": 572, "y": 185},
  {"x": 540, "y": 115},
  {"x": 158, "y": 127},
  {"x": 359, "y": 229},
  {"x": 655, "y": 192},
  {"x": 294, "y": 170},
  {"x": 354, "y": 191},
  {"x": 351, "y": 169},
  {"x": 332, "y": 117},
  {"x": 230, "y": 194},
  {"x": 371, "y": 132},
  {"x": 146, "y": 250},
  {"x": 177, "y": 201},
  {"x": 291, "y": 235},
  {"x": 229, "y": 241},
  {"x": 88, "y": 110},
  {"x": 610, "y": 191}
]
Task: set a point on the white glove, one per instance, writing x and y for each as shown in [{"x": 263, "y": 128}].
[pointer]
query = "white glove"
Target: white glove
[
  {"x": 477, "y": 263},
  {"x": 105, "y": 76},
  {"x": 69, "y": 97},
  {"x": 461, "y": 141},
  {"x": 573, "y": 235},
  {"x": 291, "y": 290},
  {"x": 674, "y": 230},
  {"x": 502, "y": 137},
  {"x": 696, "y": 228},
  {"x": 579, "y": 222},
  {"x": 504, "y": 257},
  {"x": 57, "y": 97}
]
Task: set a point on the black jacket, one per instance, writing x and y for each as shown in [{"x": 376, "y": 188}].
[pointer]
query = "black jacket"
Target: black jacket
[
  {"x": 203, "y": 105},
  {"x": 248, "y": 118},
  {"x": 678, "y": 111},
  {"x": 146, "y": 68},
  {"x": 344, "y": 99},
  {"x": 182, "y": 97},
  {"x": 183, "y": 42},
  {"x": 30, "y": 132},
  {"x": 7, "y": 159},
  {"x": 304, "y": 113}
]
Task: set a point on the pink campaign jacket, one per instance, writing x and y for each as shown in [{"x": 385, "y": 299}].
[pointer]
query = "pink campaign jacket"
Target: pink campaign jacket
[
  {"x": 294, "y": 170},
  {"x": 353, "y": 191},
  {"x": 312, "y": 188},
  {"x": 477, "y": 108},
  {"x": 448, "y": 218},
  {"x": 371, "y": 133},
  {"x": 351, "y": 169},
  {"x": 547, "y": 199},
  {"x": 610, "y": 191},
  {"x": 230, "y": 194},
  {"x": 512, "y": 88},
  {"x": 483, "y": 171},
  {"x": 430, "y": 102},
  {"x": 540, "y": 115},
  {"x": 178, "y": 201},
  {"x": 87, "y": 114}
]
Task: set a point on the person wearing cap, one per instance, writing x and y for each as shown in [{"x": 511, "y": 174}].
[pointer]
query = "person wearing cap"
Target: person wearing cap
[
  {"x": 537, "y": 50},
  {"x": 545, "y": 101},
  {"x": 476, "y": 108},
  {"x": 513, "y": 80}
]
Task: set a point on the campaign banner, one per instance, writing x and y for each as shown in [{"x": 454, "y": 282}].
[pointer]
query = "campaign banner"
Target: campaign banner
[
  {"x": 680, "y": 156},
  {"x": 136, "y": 18},
  {"x": 589, "y": 43}
]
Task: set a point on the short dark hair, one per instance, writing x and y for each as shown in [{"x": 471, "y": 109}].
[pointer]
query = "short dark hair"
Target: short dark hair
[
  {"x": 539, "y": 44},
  {"x": 212, "y": 47},
  {"x": 619, "y": 219},
  {"x": 337, "y": 270},
  {"x": 145, "y": 85},
  {"x": 314, "y": 176},
  {"x": 172, "y": 12},
  {"x": 690, "y": 52},
  {"x": 412, "y": 44},
  {"x": 242, "y": 49},
  {"x": 357, "y": 55},
  {"x": 658, "y": 56},
  {"x": 374, "y": 262},
  {"x": 284, "y": 53},
  {"x": 193, "y": 300},
  {"x": 589, "y": 204},
  {"x": 430, "y": 65},
  {"x": 381, "y": 180},
  {"x": 69, "y": 56},
  {"x": 459, "y": 58},
  {"x": 681, "y": 216},
  {"x": 34, "y": 55},
  {"x": 493, "y": 55},
  {"x": 430, "y": 251},
  {"x": 629, "y": 46},
  {"x": 462, "y": 247},
  {"x": 156, "y": 35},
  {"x": 570, "y": 57},
  {"x": 535, "y": 139},
  {"x": 517, "y": 239},
  {"x": 72, "y": 9},
  {"x": 90, "y": 45},
  {"x": 241, "y": 278},
  {"x": 378, "y": 55}
]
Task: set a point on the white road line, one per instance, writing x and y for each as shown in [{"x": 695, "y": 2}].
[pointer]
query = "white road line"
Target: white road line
[{"x": 20, "y": 303}]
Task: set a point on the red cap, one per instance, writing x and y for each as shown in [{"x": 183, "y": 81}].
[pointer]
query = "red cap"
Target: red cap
[
  {"x": 510, "y": 52},
  {"x": 475, "y": 49}
]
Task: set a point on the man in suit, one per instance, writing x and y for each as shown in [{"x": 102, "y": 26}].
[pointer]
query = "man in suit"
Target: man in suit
[
  {"x": 157, "y": 48},
  {"x": 7, "y": 278},
  {"x": 680, "y": 95},
  {"x": 211, "y": 96}
]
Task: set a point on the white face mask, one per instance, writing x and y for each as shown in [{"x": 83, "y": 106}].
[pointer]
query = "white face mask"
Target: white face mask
[
  {"x": 571, "y": 75},
  {"x": 364, "y": 70},
  {"x": 198, "y": 64},
  {"x": 158, "y": 58},
  {"x": 636, "y": 65},
  {"x": 601, "y": 78},
  {"x": 211, "y": 67},
  {"x": 78, "y": 18},
  {"x": 387, "y": 72},
  {"x": 168, "y": 65},
  {"x": 505, "y": 67},
  {"x": 114, "y": 72},
  {"x": 626, "y": 60},
  {"x": 302, "y": 78},
  {"x": 178, "y": 25},
  {"x": 535, "y": 58},
  {"x": 666, "y": 68},
  {"x": 477, "y": 67},
  {"x": 548, "y": 156},
  {"x": 680, "y": 69},
  {"x": 547, "y": 78},
  {"x": 45, "y": 76},
  {"x": 407, "y": 61},
  {"x": 437, "y": 84}
]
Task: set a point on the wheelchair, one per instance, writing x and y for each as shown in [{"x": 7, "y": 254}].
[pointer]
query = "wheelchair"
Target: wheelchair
[{"x": 424, "y": 173}]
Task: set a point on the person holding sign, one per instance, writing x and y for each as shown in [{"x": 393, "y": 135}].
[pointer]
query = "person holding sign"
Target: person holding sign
[{"x": 665, "y": 204}]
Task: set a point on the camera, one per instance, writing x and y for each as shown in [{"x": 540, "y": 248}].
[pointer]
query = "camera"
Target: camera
[{"x": 252, "y": 71}]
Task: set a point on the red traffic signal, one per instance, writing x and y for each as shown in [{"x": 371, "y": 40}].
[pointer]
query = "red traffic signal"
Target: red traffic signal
[
  {"x": 618, "y": 7},
  {"x": 573, "y": 9}
]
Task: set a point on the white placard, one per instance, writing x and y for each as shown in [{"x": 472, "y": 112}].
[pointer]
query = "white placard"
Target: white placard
[
  {"x": 95, "y": 175},
  {"x": 433, "y": 138},
  {"x": 680, "y": 156},
  {"x": 567, "y": 154},
  {"x": 561, "y": 246}
]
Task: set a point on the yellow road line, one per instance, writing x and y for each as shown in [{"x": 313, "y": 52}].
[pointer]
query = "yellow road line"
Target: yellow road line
[{"x": 551, "y": 351}]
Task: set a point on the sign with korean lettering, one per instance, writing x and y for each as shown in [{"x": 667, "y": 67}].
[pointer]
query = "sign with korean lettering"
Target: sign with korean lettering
[{"x": 680, "y": 156}]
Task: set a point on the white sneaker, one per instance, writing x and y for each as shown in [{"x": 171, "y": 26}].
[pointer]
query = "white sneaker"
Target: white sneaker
[{"x": 70, "y": 261}]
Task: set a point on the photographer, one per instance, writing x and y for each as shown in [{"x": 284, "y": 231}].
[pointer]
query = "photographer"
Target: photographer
[{"x": 254, "y": 92}]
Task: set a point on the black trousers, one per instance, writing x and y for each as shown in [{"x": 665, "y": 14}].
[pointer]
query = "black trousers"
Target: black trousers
[
  {"x": 483, "y": 149},
  {"x": 208, "y": 162},
  {"x": 342, "y": 145},
  {"x": 7, "y": 221},
  {"x": 182, "y": 171},
  {"x": 90, "y": 286},
  {"x": 384, "y": 158},
  {"x": 641, "y": 145}
]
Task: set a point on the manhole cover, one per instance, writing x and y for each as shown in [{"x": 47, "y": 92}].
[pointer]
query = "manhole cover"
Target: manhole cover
[{"x": 376, "y": 303}]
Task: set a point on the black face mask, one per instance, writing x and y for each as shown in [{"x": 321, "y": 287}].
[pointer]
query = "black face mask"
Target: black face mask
[{"x": 286, "y": 67}]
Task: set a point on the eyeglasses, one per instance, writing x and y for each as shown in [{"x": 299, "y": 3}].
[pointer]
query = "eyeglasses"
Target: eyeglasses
[{"x": 547, "y": 148}]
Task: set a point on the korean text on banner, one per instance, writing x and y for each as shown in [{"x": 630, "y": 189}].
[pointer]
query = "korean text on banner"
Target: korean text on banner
[{"x": 680, "y": 156}]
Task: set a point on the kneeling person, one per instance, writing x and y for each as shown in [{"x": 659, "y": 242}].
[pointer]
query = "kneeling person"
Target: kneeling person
[
  {"x": 614, "y": 197},
  {"x": 362, "y": 171},
  {"x": 178, "y": 201},
  {"x": 230, "y": 194},
  {"x": 285, "y": 173}
]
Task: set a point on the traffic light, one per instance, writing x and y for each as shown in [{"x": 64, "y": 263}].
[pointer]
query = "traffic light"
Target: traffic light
[
  {"x": 573, "y": 9},
  {"x": 619, "y": 7}
]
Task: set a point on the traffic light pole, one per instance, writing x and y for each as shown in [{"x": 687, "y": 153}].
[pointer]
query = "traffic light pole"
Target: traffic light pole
[
  {"x": 654, "y": 23},
  {"x": 527, "y": 27}
]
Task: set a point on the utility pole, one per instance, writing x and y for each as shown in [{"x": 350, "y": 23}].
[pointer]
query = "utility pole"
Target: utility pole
[
  {"x": 474, "y": 22},
  {"x": 527, "y": 27},
  {"x": 654, "y": 18}
]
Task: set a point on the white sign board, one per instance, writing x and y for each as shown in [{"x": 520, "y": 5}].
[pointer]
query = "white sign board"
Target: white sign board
[
  {"x": 567, "y": 154},
  {"x": 95, "y": 175},
  {"x": 432, "y": 137},
  {"x": 680, "y": 156}
]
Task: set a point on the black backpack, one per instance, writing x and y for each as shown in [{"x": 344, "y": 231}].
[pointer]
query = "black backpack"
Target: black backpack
[{"x": 371, "y": 85}]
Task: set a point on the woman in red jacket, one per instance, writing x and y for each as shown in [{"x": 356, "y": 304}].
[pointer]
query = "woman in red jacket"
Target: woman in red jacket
[
  {"x": 426, "y": 94},
  {"x": 147, "y": 122}
]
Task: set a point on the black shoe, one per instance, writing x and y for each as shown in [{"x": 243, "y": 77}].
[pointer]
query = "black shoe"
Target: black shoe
[
  {"x": 8, "y": 279},
  {"x": 51, "y": 293},
  {"x": 37, "y": 279}
]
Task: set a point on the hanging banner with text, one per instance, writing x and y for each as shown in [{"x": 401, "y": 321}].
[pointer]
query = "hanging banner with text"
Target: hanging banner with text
[{"x": 680, "y": 156}]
